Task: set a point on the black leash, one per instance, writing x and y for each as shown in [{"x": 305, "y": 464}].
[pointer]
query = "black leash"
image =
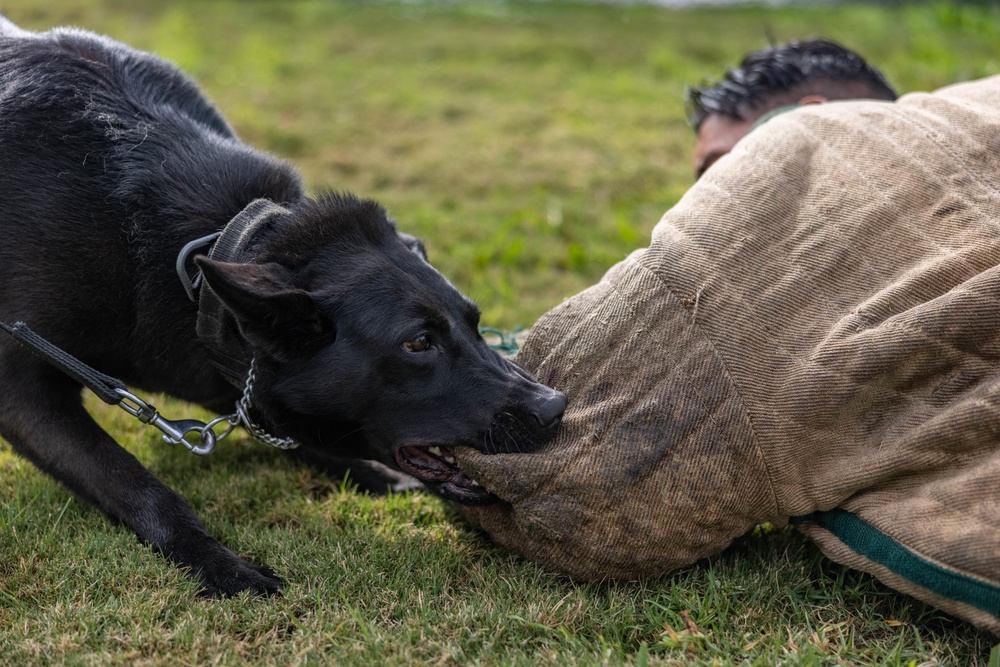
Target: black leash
[
  {"x": 106, "y": 387},
  {"x": 113, "y": 392}
]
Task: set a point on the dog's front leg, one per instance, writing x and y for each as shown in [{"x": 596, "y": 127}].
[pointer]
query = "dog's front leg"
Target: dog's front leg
[{"x": 42, "y": 417}]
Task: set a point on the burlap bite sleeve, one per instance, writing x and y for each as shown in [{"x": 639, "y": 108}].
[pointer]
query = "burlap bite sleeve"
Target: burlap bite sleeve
[{"x": 813, "y": 332}]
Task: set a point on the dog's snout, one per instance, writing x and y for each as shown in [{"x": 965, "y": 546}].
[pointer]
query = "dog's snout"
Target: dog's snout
[{"x": 548, "y": 408}]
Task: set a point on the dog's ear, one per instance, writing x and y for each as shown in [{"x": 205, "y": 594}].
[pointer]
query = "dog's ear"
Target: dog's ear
[
  {"x": 413, "y": 244},
  {"x": 272, "y": 312}
]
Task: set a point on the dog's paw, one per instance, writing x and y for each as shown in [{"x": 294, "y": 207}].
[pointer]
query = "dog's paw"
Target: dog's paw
[{"x": 237, "y": 577}]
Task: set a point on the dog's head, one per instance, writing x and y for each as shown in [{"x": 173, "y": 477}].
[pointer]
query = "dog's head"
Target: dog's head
[{"x": 366, "y": 351}]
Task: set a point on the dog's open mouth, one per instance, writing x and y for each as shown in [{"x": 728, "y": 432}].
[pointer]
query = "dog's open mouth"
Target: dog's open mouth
[{"x": 435, "y": 466}]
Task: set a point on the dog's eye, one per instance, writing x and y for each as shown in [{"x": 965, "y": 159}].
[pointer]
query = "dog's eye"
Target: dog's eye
[{"x": 418, "y": 344}]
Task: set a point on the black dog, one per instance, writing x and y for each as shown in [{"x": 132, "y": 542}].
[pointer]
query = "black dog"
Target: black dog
[{"x": 111, "y": 161}]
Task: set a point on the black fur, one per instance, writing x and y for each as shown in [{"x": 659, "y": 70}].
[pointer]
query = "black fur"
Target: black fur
[{"x": 110, "y": 161}]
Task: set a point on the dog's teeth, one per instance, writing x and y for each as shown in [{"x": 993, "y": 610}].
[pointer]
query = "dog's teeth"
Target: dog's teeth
[
  {"x": 449, "y": 459},
  {"x": 474, "y": 483},
  {"x": 436, "y": 451}
]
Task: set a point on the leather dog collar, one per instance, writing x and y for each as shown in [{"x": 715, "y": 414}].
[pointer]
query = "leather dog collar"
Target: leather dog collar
[{"x": 217, "y": 327}]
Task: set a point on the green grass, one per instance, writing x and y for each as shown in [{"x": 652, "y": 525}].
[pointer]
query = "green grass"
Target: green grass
[{"x": 532, "y": 146}]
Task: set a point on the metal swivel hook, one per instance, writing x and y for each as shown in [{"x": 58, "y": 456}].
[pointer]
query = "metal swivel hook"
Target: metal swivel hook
[{"x": 174, "y": 432}]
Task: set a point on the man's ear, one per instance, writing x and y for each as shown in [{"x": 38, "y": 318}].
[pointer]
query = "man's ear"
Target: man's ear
[{"x": 272, "y": 313}]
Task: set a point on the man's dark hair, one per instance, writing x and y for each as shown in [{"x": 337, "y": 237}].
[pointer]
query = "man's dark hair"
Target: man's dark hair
[{"x": 779, "y": 70}]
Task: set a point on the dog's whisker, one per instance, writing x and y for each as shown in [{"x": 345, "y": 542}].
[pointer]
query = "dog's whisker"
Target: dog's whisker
[{"x": 348, "y": 434}]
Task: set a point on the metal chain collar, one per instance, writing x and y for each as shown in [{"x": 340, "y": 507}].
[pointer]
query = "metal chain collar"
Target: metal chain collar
[
  {"x": 177, "y": 432},
  {"x": 242, "y": 416}
]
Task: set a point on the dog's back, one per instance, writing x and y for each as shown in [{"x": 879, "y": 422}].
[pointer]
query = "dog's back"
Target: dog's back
[{"x": 110, "y": 155}]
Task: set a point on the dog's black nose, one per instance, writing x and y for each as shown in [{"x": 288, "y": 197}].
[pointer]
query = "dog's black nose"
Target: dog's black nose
[{"x": 549, "y": 408}]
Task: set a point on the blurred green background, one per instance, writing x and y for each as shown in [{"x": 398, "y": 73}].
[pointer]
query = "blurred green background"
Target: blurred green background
[{"x": 532, "y": 145}]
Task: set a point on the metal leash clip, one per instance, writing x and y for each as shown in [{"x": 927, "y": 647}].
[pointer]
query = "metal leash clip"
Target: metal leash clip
[{"x": 175, "y": 432}]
